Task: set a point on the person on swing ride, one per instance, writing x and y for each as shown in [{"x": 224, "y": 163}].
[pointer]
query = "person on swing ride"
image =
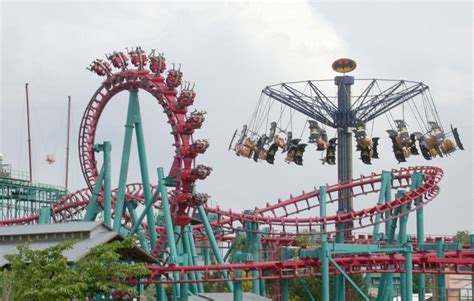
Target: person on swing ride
[
  {"x": 366, "y": 145},
  {"x": 331, "y": 152},
  {"x": 317, "y": 135},
  {"x": 260, "y": 152},
  {"x": 403, "y": 143}
]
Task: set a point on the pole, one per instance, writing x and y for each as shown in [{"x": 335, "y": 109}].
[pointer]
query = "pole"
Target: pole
[
  {"x": 67, "y": 141},
  {"x": 107, "y": 148},
  {"x": 324, "y": 245},
  {"x": 344, "y": 121},
  {"x": 29, "y": 131}
]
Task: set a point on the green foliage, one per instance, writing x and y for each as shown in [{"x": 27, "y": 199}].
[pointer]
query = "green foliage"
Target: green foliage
[
  {"x": 46, "y": 275},
  {"x": 314, "y": 284},
  {"x": 462, "y": 236}
]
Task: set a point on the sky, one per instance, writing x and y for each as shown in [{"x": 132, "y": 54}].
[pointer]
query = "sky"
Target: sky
[{"x": 232, "y": 50}]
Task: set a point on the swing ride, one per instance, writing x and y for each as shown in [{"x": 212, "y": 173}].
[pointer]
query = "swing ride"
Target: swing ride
[
  {"x": 271, "y": 127},
  {"x": 195, "y": 243}
]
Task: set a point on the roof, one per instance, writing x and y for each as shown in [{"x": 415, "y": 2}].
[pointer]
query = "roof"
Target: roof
[{"x": 89, "y": 234}]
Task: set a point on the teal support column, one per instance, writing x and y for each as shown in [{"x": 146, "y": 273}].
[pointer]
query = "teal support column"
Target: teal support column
[
  {"x": 238, "y": 274},
  {"x": 344, "y": 274},
  {"x": 144, "y": 173},
  {"x": 339, "y": 282},
  {"x": 188, "y": 254},
  {"x": 194, "y": 259},
  {"x": 471, "y": 238},
  {"x": 408, "y": 273},
  {"x": 205, "y": 252},
  {"x": 402, "y": 240},
  {"x": 253, "y": 240},
  {"x": 324, "y": 246},
  {"x": 107, "y": 148},
  {"x": 127, "y": 141},
  {"x": 238, "y": 286},
  {"x": 141, "y": 235},
  {"x": 417, "y": 179},
  {"x": 92, "y": 206},
  {"x": 45, "y": 215},
  {"x": 168, "y": 226},
  {"x": 284, "y": 290},
  {"x": 384, "y": 186},
  {"x": 440, "y": 278},
  {"x": 136, "y": 225},
  {"x": 184, "y": 289},
  {"x": 213, "y": 243}
]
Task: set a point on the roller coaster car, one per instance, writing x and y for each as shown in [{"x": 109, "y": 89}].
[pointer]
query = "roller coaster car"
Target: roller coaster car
[
  {"x": 331, "y": 152},
  {"x": 259, "y": 148},
  {"x": 100, "y": 68},
  {"x": 270, "y": 158},
  {"x": 157, "y": 62},
  {"x": 138, "y": 57},
  {"x": 317, "y": 135}
]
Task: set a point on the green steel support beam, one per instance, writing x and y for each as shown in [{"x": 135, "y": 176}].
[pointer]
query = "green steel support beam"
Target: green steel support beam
[
  {"x": 168, "y": 225},
  {"x": 253, "y": 240},
  {"x": 141, "y": 234},
  {"x": 417, "y": 180},
  {"x": 92, "y": 206},
  {"x": 107, "y": 148},
  {"x": 440, "y": 278},
  {"x": 213, "y": 242},
  {"x": 237, "y": 293},
  {"x": 144, "y": 170},
  {"x": 188, "y": 254},
  {"x": 409, "y": 273},
  {"x": 385, "y": 185},
  {"x": 194, "y": 259},
  {"x": 184, "y": 289},
  {"x": 136, "y": 225},
  {"x": 306, "y": 289},
  {"x": 324, "y": 246},
  {"x": 471, "y": 239},
  {"x": 45, "y": 215},
  {"x": 402, "y": 240},
  {"x": 284, "y": 290},
  {"x": 344, "y": 274},
  {"x": 127, "y": 143}
]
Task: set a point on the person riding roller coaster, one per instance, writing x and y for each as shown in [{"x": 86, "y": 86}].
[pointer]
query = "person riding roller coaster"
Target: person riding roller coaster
[
  {"x": 317, "y": 135},
  {"x": 366, "y": 145}
]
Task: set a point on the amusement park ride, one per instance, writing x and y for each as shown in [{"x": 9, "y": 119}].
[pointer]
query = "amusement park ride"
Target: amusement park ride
[{"x": 194, "y": 243}]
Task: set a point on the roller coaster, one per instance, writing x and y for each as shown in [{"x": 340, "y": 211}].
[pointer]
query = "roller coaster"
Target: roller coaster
[{"x": 194, "y": 243}]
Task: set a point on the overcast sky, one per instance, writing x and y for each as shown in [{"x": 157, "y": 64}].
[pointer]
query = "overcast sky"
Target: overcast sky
[{"x": 232, "y": 51}]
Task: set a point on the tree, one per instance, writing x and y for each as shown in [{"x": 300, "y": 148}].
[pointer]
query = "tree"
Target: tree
[
  {"x": 462, "y": 236},
  {"x": 39, "y": 275}
]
